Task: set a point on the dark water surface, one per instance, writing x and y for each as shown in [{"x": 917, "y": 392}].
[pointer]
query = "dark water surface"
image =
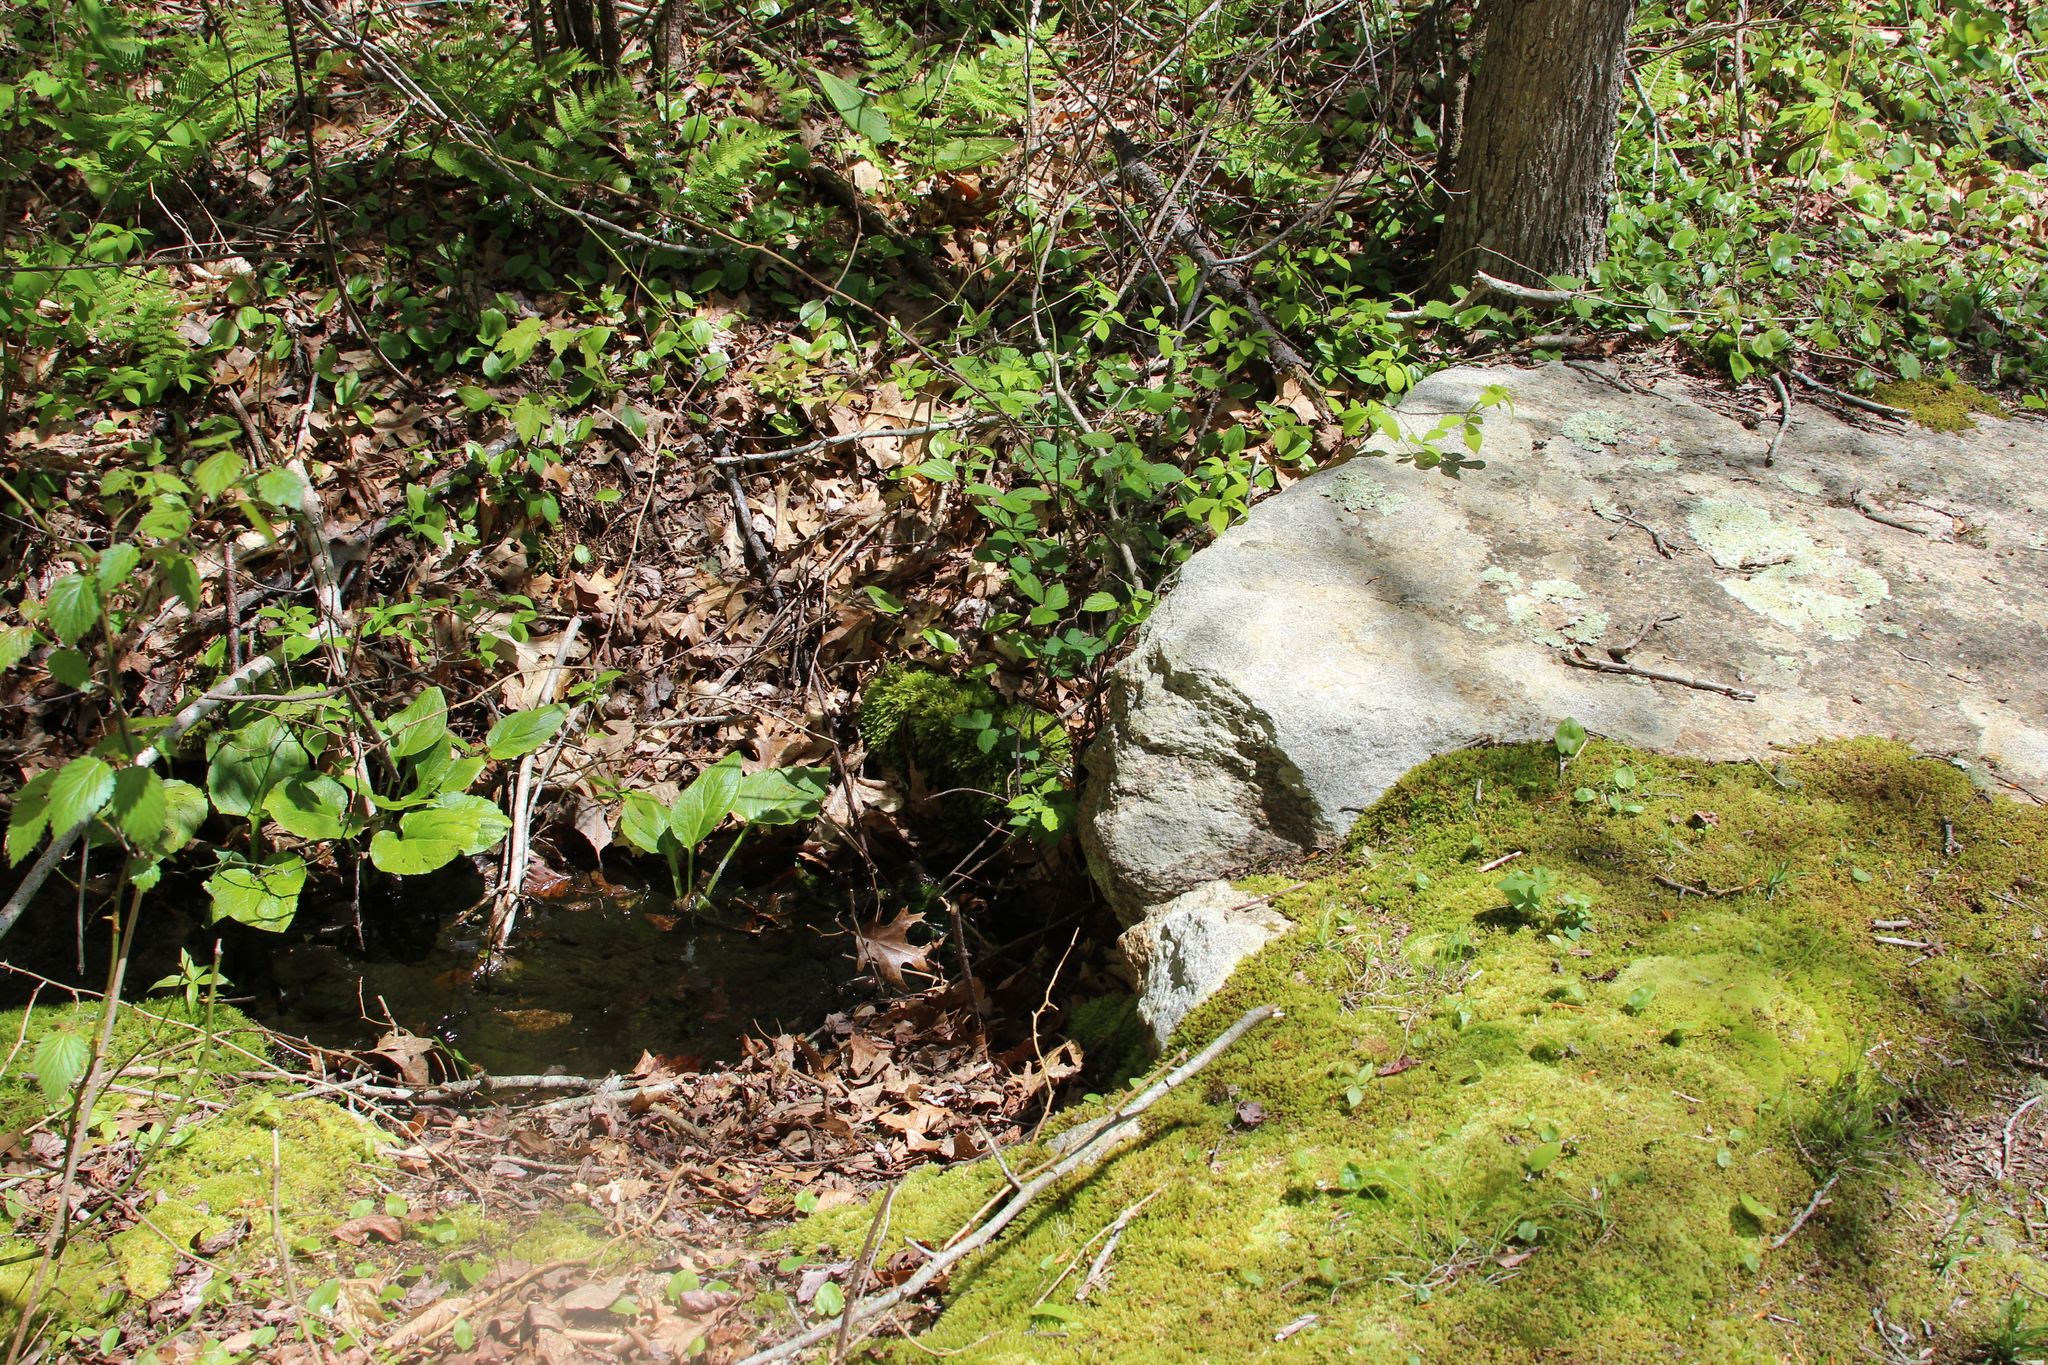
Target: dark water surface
[{"x": 590, "y": 981}]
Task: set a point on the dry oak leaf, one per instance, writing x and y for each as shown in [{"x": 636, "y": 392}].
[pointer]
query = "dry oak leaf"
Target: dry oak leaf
[
  {"x": 887, "y": 949},
  {"x": 381, "y": 1226}
]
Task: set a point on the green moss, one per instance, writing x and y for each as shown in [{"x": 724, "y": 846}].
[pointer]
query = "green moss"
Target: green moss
[
  {"x": 1939, "y": 404},
  {"x": 913, "y": 720},
  {"x": 240, "y": 1153},
  {"x": 1535, "y": 1147}
]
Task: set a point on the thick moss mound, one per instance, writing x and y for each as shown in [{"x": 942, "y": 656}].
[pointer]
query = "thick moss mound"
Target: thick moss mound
[
  {"x": 956, "y": 734},
  {"x": 1939, "y": 404},
  {"x": 1576, "y": 1128}
]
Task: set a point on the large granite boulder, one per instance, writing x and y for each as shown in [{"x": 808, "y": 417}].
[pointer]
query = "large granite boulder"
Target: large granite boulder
[{"x": 1864, "y": 581}]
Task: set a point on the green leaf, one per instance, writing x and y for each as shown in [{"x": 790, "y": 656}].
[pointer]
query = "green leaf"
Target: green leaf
[
  {"x": 71, "y": 667},
  {"x": 61, "y": 1059},
  {"x": 1571, "y": 737},
  {"x": 117, "y": 562},
  {"x": 856, "y": 106},
  {"x": 260, "y": 895},
  {"x": 183, "y": 576},
  {"x": 886, "y": 602},
  {"x": 248, "y": 762},
  {"x": 15, "y": 644},
  {"x": 471, "y": 823},
  {"x": 524, "y": 731},
  {"x": 72, "y": 608},
  {"x": 30, "y": 816},
  {"x": 1724, "y": 1158},
  {"x": 830, "y": 1300},
  {"x": 1858, "y": 875},
  {"x": 79, "y": 790},
  {"x": 1639, "y": 999},
  {"x": 780, "y": 796},
  {"x": 313, "y": 806},
  {"x": 218, "y": 472},
  {"x": 1541, "y": 1156},
  {"x": 185, "y": 810},
  {"x": 420, "y": 726},
  {"x": 706, "y": 802},
  {"x": 1755, "y": 1209},
  {"x": 1100, "y": 601},
  {"x": 283, "y": 488},
  {"x": 643, "y": 822},
  {"x": 402, "y": 857},
  {"x": 138, "y": 807}
]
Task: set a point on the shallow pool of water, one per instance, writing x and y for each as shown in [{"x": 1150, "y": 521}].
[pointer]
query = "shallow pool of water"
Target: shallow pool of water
[{"x": 591, "y": 980}]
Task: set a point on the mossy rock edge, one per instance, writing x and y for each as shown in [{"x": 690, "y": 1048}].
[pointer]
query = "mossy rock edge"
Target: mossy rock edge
[{"x": 1484, "y": 1139}]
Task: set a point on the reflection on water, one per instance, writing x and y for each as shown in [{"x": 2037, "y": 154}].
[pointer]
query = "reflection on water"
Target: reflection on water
[{"x": 592, "y": 979}]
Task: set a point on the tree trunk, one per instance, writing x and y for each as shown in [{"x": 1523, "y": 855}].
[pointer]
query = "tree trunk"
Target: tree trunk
[{"x": 1535, "y": 164}]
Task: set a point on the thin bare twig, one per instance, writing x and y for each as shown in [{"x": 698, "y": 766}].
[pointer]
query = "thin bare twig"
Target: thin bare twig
[{"x": 1578, "y": 658}]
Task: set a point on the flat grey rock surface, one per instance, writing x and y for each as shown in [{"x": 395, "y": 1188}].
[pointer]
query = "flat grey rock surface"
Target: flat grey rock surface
[{"x": 1870, "y": 580}]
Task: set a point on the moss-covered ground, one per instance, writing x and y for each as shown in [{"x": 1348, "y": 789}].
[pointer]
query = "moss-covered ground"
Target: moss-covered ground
[
  {"x": 1577, "y": 1131},
  {"x": 183, "y": 1155},
  {"x": 1940, "y": 404}
]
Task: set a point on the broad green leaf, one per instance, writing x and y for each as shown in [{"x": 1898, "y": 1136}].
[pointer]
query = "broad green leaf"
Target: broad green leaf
[
  {"x": 72, "y": 608},
  {"x": 313, "y": 806},
  {"x": 260, "y": 895},
  {"x": 138, "y": 807},
  {"x": 402, "y": 857},
  {"x": 830, "y": 1300},
  {"x": 1100, "y": 601},
  {"x": 117, "y": 562},
  {"x": 856, "y": 106},
  {"x": 780, "y": 796},
  {"x": 283, "y": 488},
  {"x": 183, "y": 576},
  {"x": 522, "y": 732},
  {"x": 1571, "y": 737},
  {"x": 643, "y": 822},
  {"x": 886, "y": 602},
  {"x": 706, "y": 802},
  {"x": 1541, "y": 1156},
  {"x": 471, "y": 823},
  {"x": 185, "y": 809},
  {"x": 248, "y": 762},
  {"x": 61, "y": 1059},
  {"x": 15, "y": 643},
  {"x": 218, "y": 472},
  {"x": 71, "y": 667},
  {"x": 30, "y": 816},
  {"x": 420, "y": 725},
  {"x": 1756, "y": 1208},
  {"x": 79, "y": 790}
]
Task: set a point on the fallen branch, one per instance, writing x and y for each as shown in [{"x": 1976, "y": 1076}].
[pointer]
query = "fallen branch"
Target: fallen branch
[
  {"x": 1705, "y": 892},
  {"x": 1861, "y": 502},
  {"x": 1619, "y": 518},
  {"x": 1026, "y": 1194},
  {"x": 1578, "y": 658},
  {"x": 1784, "y": 420},
  {"x": 1523, "y": 293},
  {"x": 1099, "y": 1267},
  {"x": 506, "y": 913},
  {"x": 1181, "y": 226},
  {"x": 1853, "y": 400},
  {"x": 1820, "y": 1197}
]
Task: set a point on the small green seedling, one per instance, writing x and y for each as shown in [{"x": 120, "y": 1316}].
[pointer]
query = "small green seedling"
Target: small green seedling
[{"x": 773, "y": 796}]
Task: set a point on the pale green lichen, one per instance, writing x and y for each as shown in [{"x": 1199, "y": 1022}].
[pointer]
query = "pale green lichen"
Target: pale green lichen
[
  {"x": 1594, "y": 430},
  {"x": 1479, "y": 1143},
  {"x": 1550, "y": 611},
  {"x": 1787, "y": 576},
  {"x": 1939, "y": 404},
  {"x": 1355, "y": 488}
]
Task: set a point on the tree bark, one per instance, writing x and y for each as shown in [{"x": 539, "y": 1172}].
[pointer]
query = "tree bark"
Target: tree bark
[{"x": 1535, "y": 164}]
